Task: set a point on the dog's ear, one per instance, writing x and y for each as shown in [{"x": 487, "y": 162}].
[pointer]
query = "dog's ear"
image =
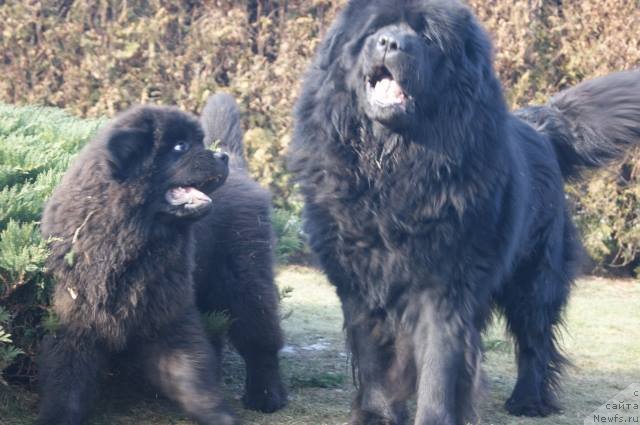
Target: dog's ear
[
  {"x": 127, "y": 148},
  {"x": 477, "y": 44},
  {"x": 330, "y": 49}
]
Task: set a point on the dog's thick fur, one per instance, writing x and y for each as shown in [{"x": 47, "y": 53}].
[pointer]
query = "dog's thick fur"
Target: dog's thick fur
[
  {"x": 122, "y": 254},
  {"x": 429, "y": 204},
  {"x": 234, "y": 261}
]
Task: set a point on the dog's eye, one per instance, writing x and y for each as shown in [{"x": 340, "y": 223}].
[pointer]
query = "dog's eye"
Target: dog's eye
[{"x": 181, "y": 147}]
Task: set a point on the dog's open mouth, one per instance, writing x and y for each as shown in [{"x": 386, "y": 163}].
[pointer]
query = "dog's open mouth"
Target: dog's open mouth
[
  {"x": 188, "y": 197},
  {"x": 193, "y": 197},
  {"x": 383, "y": 89}
]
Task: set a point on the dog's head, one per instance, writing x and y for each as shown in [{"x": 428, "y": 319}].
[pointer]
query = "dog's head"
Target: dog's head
[
  {"x": 160, "y": 151},
  {"x": 407, "y": 59}
]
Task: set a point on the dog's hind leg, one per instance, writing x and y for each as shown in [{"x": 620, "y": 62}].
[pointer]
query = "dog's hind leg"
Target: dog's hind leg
[
  {"x": 533, "y": 304},
  {"x": 249, "y": 295},
  {"x": 181, "y": 363},
  {"x": 255, "y": 332}
]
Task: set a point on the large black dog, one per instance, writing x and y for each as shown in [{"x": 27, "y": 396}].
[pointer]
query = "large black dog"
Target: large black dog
[
  {"x": 428, "y": 203},
  {"x": 234, "y": 261},
  {"x": 122, "y": 253}
]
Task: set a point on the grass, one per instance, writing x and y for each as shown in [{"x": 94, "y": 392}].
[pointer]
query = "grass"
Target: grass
[{"x": 602, "y": 339}]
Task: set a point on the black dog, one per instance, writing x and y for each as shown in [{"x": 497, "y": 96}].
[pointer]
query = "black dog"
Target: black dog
[
  {"x": 234, "y": 262},
  {"x": 428, "y": 203},
  {"x": 122, "y": 253}
]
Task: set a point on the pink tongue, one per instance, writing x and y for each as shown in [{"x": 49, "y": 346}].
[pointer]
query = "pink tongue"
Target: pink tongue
[
  {"x": 388, "y": 92},
  {"x": 188, "y": 196}
]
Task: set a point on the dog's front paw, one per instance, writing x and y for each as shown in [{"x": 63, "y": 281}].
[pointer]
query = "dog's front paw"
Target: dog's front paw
[
  {"x": 530, "y": 406},
  {"x": 360, "y": 417},
  {"x": 269, "y": 397}
]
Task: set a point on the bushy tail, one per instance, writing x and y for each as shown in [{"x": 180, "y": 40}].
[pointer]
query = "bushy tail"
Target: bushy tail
[
  {"x": 591, "y": 123},
  {"x": 221, "y": 122}
]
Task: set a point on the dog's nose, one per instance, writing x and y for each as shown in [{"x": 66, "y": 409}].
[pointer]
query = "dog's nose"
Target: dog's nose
[
  {"x": 388, "y": 42},
  {"x": 393, "y": 41},
  {"x": 222, "y": 157}
]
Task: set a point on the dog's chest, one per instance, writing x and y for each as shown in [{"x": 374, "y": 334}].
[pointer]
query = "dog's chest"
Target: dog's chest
[
  {"x": 387, "y": 199},
  {"x": 389, "y": 232},
  {"x": 397, "y": 223},
  {"x": 121, "y": 291}
]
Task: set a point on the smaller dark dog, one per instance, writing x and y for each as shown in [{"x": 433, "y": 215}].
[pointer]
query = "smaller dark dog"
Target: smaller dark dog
[
  {"x": 122, "y": 251},
  {"x": 234, "y": 262}
]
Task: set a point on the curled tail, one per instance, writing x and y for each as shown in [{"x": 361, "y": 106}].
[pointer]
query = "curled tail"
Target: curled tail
[
  {"x": 591, "y": 123},
  {"x": 220, "y": 120}
]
